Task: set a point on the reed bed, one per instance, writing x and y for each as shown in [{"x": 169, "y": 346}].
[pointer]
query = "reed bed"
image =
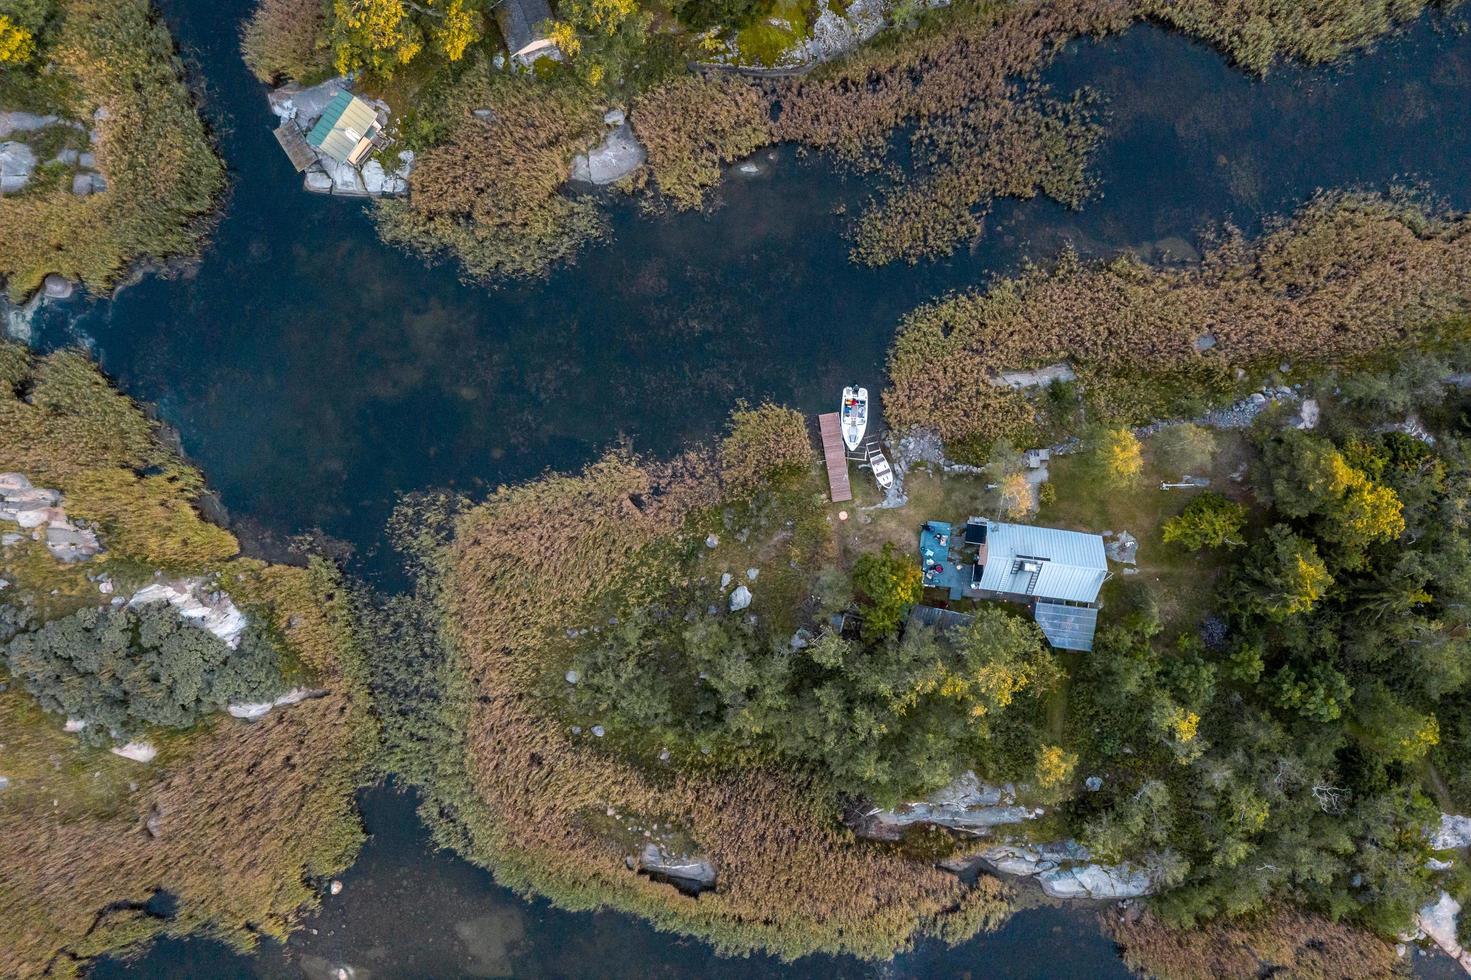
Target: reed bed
[{"x": 1346, "y": 277}]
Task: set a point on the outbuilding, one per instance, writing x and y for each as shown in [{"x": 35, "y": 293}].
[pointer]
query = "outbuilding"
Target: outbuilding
[{"x": 346, "y": 131}]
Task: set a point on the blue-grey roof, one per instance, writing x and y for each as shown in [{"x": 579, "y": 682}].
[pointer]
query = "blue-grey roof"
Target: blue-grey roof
[
  {"x": 1073, "y": 565},
  {"x": 1066, "y": 627}
]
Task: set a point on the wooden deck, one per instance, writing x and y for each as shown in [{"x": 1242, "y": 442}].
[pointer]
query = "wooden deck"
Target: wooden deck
[{"x": 836, "y": 455}]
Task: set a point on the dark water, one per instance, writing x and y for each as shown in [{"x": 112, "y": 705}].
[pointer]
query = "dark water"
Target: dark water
[{"x": 316, "y": 375}]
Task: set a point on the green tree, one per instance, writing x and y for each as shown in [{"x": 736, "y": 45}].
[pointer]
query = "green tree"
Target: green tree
[
  {"x": 1208, "y": 521},
  {"x": 120, "y": 670},
  {"x": 1286, "y": 577},
  {"x": 1309, "y": 477},
  {"x": 1320, "y": 692},
  {"x": 888, "y": 585}
]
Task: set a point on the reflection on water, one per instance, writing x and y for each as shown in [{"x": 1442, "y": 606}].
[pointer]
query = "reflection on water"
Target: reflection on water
[{"x": 315, "y": 375}]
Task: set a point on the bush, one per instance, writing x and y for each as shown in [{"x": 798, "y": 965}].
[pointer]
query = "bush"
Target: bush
[
  {"x": 889, "y": 584},
  {"x": 1208, "y": 521},
  {"x": 120, "y": 670},
  {"x": 283, "y": 39}
]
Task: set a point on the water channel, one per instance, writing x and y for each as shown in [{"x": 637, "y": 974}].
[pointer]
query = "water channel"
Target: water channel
[{"x": 316, "y": 375}]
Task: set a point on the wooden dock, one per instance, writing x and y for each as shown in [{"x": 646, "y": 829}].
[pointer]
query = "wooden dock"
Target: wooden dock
[{"x": 836, "y": 455}]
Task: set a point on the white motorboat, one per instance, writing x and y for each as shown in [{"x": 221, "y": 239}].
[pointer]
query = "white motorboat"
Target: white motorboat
[
  {"x": 854, "y": 416},
  {"x": 880, "y": 466}
]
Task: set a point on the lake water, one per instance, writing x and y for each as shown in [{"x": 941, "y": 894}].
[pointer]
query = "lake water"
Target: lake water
[{"x": 316, "y": 375}]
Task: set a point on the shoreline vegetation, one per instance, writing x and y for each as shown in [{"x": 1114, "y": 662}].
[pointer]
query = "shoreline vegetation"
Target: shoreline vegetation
[
  {"x": 233, "y": 826},
  {"x": 562, "y": 623},
  {"x": 952, "y": 92},
  {"x": 107, "y": 70}
]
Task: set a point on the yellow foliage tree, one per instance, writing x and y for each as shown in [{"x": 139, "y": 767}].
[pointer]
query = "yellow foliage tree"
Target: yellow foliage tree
[
  {"x": 459, "y": 28},
  {"x": 378, "y": 35},
  {"x": 1117, "y": 455},
  {"x": 1055, "y": 766},
  {"x": 1016, "y": 496},
  {"x": 564, "y": 36},
  {"x": 17, "y": 44}
]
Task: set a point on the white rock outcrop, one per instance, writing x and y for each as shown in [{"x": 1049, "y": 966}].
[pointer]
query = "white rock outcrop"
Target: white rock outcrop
[
  {"x": 209, "y": 610},
  {"x": 137, "y": 751},
  {"x": 254, "y": 710},
  {"x": 1454, "y": 832},
  {"x": 17, "y": 163},
  {"x": 1064, "y": 870},
  {"x": 39, "y": 510},
  {"x": 1438, "y": 921},
  {"x": 618, "y": 155},
  {"x": 967, "y": 805}
]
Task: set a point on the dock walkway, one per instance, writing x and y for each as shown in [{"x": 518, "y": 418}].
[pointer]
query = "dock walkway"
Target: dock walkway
[{"x": 836, "y": 455}]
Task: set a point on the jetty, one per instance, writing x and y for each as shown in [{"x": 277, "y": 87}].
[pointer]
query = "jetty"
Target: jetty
[{"x": 836, "y": 455}]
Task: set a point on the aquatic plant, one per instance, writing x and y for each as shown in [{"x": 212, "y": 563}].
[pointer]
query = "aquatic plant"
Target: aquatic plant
[
  {"x": 162, "y": 174},
  {"x": 1298, "y": 944},
  {"x": 1348, "y": 276},
  {"x": 491, "y": 193},
  {"x": 235, "y": 821},
  {"x": 286, "y": 39}
]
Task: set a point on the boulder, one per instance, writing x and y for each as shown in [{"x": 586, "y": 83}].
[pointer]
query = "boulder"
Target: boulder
[
  {"x": 725, "y": 579},
  {"x": 751, "y": 573},
  {"x": 1454, "y": 832},
  {"x": 1307, "y": 415},
  {"x": 14, "y": 121},
  {"x": 82, "y": 185},
  {"x": 1097, "y": 881},
  {"x": 137, "y": 751},
  {"x": 73, "y": 725},
  {"x": 59, "y": 287},
  {"x": 573, "y": 677},
  {"x": 614, "y": 117},
  {"x": 1093, "y": 784},
  {"x": 740, "y": 598},
  {"x": 618, "y": 155},
  {"x": 1041, "y": 377},
  {"x": 692, "y": 873},
  {"x": 1205, "y": 342},
  {"x": 713, "y": 541},
  {"x": 4, "y": 782},
  {"x": 17, "y": 163},
  {"x": 1123, "y": 548}
]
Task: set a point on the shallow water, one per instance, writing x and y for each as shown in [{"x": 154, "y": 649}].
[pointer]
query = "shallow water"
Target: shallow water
[{"x": 316, "y": 375}]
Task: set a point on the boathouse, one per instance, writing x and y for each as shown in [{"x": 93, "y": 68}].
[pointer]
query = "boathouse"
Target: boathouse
[
  {"x": 346, "y": 131},
  {"x": 1056, "y": 573}
]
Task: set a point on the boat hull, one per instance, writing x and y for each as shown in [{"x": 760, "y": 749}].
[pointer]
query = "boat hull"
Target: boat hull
[{"x": 854, "y": 413}]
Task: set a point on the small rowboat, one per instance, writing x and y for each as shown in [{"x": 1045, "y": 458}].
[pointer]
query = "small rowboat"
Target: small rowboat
[
  {"x": 854, "y": 416},
  {"x": 880, "y": 466}
]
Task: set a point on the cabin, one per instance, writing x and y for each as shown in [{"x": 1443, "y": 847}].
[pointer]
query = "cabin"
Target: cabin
[
  {"x": 346, "y": 131},
  {"x": 1057, "y": 573},
  {"x": 523, "y": 28}
]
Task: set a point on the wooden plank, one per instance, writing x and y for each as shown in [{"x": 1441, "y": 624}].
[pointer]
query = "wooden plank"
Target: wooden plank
[{"x": 836, "y": 455}]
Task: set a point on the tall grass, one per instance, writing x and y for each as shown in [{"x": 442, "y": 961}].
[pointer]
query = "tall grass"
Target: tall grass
[{"x": 163, "y": 176}]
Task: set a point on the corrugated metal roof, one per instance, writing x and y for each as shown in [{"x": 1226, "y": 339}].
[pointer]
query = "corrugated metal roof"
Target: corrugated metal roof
[
  {"x": 520, "y": 22},
  {"x": 939, "y": 618},
  {"x": 1072, "y": 564},
  {"x": 1066, "y": 627},
  {"x": 345, "y": 123}
]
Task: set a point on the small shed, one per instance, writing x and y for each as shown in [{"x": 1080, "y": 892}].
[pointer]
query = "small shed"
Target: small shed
[
  {"x": 293, "y": 141},
  {"x": 522, "y": 24},
  {"x": 346, "y": 130}
]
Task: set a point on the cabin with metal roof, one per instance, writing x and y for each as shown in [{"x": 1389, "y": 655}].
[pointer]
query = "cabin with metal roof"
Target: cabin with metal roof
[
  {"x": 346, "y": 130},
  {"x": 1057, "y": 573},
  {"x": 523, "y": 28}
]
